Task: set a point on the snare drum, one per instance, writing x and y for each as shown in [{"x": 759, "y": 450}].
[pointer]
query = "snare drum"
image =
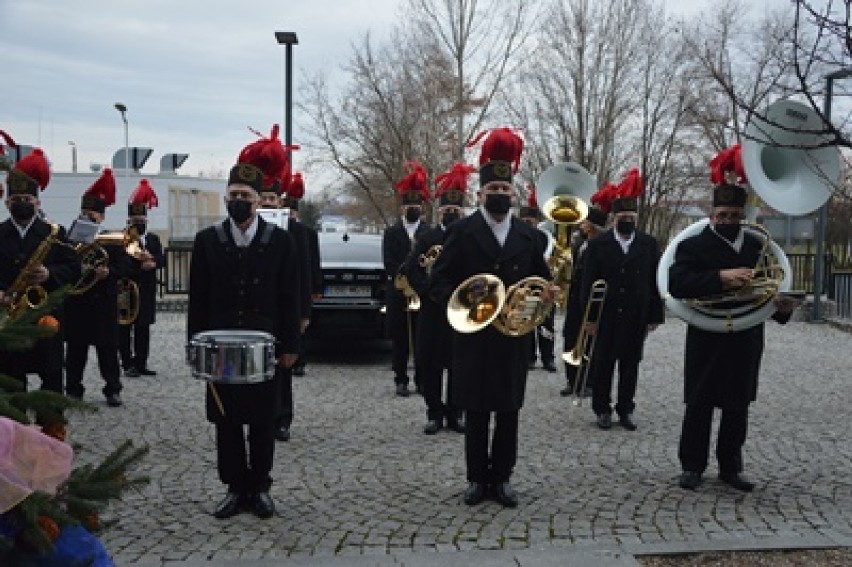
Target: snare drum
[{"x": 232, "y": 356}]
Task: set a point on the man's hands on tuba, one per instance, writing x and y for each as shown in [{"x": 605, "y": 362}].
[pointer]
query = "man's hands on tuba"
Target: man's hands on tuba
[{"x": 733, "y": 278}]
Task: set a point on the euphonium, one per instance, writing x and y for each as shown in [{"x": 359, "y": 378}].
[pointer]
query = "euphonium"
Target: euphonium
[
  {"x": 400, "y": 282},
  {"x": 22, "y": 294},
  {"x": 128, "y": 301}
]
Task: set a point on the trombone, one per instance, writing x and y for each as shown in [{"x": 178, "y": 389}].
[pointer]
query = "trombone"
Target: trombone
[{"x": 584, "y": 347}]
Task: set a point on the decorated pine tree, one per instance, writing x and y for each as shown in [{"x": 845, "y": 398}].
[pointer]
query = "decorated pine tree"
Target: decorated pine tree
[{"x": 48, "y": 512}]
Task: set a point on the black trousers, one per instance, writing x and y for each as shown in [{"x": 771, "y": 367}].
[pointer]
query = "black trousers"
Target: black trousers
[
  {"x": 76, "y": 355},
  {"x": 245, "y": 469},
  {"x": 695, "y": 438},
  {"x": 45, "y": 359},
  {"x": 495, "y": 465},
  {"x": 137, "y": 356},
  {"x": 285, "y": 413},
  {"x": 402, "y": 326},
  {"x": 628, "y": 374},
  {"x": 544, "y": 337},
  {"x": 432, "y": 382}
]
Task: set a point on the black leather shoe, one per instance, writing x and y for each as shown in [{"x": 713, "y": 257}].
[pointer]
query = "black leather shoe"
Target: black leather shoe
[
  {"x": 282, "y": 433},
  {"x": 737, "y": 480},
  {"x": 456, "y": 424},
  {"x": 113, "y": 400},
  {"x": 147, "y": 372},
  {"x": 229, "y": 506},
  {"x": 531, "y": 365},
  {"x": 549, "y": 366},
  {"x": 626, "y": 422},
  {"x": 474, "y": 494},
  {"x": 505, "y": 495},
  {"x": 131, "y": 373},
  {"x": 262, "y": 506},
  {"x": 299, "y": 370},
  {"x": 567, "y": 390},
  {"x": 690, "y": 480},
  {"x": 604, "y": 420},
  {"x": 432, "y": 427},
  {"x": 402, "y": 390}
]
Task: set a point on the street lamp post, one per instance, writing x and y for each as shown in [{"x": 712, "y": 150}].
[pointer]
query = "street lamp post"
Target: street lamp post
[
  {"x": 288, "y": 40},
  {"x": 123, "y": 110},
  {"x": 73, "y": 156},
  {"x": 822, "y": 218}
]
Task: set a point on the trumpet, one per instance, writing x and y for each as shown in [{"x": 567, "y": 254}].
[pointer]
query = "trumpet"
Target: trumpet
[
  {"x": 428, "y": 258},
  {"x": 584, "y": 347}
]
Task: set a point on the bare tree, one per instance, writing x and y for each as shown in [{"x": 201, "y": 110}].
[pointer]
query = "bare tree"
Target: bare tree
[
  {"x": 396, "y": 108},
  {"x": 481, "y": 38}
]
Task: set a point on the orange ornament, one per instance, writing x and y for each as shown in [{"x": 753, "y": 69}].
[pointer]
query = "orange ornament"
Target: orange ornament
[
  {"x": 49, "y": 322},
  {"x": 55, "y": 429},
  {"x": 49, "y": 526},
  {"x": 92, "y": 522}
]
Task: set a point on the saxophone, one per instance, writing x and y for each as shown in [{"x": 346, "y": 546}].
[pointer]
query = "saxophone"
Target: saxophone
[{"x": 23, "y": 295}]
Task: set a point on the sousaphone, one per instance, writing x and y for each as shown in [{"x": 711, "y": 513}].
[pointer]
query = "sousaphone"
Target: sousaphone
[{"x": 790, "y": 172}]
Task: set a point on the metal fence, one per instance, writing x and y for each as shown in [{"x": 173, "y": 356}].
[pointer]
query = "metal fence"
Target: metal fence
[
  {"x": 841, "y": 287},
  {"x": 173, "y": 277}
]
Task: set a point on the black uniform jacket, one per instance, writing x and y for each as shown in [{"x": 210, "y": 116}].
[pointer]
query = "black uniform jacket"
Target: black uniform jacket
[
  {"x": 61, "y": 261},
  {"x": 301, "y": 238},
  {"x": 316, "y": 268},
  {"x": 396, "y": 246},
  {"x": 720, "y": 369},
  {"x": 632, "y": 299},
  {"x": 92, "y": 317},
  {"x": 147, "y": 280},
  {"x": 434, "y": 334},
  {"x": 257, "y": 288},
  {"x": 489, "y": 368}
]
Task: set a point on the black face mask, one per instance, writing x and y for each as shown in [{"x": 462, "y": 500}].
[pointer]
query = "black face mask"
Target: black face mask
[
  {"x": 140, "y": 227},
  {"x": 22, "y": 211},
  {"x": 412, "y": 214},
  {"x": 728, "y": 231},
  {"x": 239, "y": 210},
  {"x": 498, "y": 203},
  {"x": 449, "y": 218},
  {"x": 625, "y": 227}
]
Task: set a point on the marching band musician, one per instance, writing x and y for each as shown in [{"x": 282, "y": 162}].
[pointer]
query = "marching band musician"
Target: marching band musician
[
  {"x": 626, "y": 258},
  {"x": 397, "y": 242},
  {"x": 92, "y": 316},
  {"x": 593, "y": 226},
  {"x": 270, "y": 198},
  {"x": 543, "y": 335},
  {"x": 20, "y": 237},
  {"x": 134, "y": 353},
  {"x": 289, "y": 200},
  {"x": 434, "y": 334},
  {"x": 245, "y": 275},
  {"x": 489, "y": 368},
  {"x": 720, "y": 369}
]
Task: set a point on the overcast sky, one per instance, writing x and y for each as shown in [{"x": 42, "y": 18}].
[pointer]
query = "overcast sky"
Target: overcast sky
[{"x": 192, "y": 73}]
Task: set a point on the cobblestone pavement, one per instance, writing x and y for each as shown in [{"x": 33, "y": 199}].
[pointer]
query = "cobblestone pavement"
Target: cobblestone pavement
[{"x": 359, "y": 478}]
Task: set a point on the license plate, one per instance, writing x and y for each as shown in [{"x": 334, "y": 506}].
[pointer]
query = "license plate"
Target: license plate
[{"x": 348, "y": 291}]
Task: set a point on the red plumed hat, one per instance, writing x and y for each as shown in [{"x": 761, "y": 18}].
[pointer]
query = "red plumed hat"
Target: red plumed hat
[
  {"x": 296, "y": 188},
  {"x": 628, "y": 192},
  {"x": 101, "y": 194},
  {"x": 452, "y": 184},
  {"x": 142, "y": 199},
  {"x": 413, "y": 189},
  {"x": 30, "y": 174},
  {"x": 500, "y": 155},
  {"x": 728, "y": 162},
  {"x": 604, "y": 197}
]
